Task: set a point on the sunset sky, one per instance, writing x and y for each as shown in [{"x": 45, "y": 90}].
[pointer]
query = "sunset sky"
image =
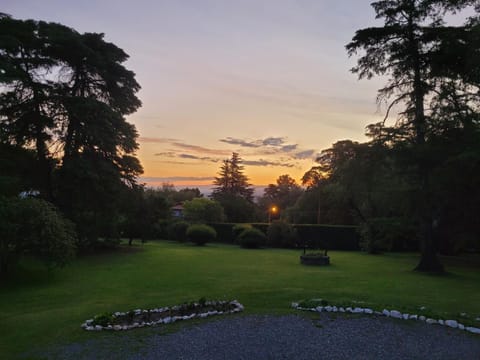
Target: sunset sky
[{"x": 268, "y": 79}]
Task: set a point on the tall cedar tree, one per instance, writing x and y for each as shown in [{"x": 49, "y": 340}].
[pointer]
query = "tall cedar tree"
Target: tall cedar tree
[
  {"x": 403, "y": 49},
  {"x": 232, "y": 181},
  {"x": 66, "y": 94}
]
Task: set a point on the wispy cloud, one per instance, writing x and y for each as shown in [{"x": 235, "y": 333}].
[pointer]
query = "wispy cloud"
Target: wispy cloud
[
  {"x": 305, "y": 154},
  {"x": 156, "y": 140},
  {"x": 188, "y": 156},
  {"x": 195, "y": 157},
  {"x": 267, "y": 146},
  {"x": 166, "y": 154},
  {"x": 262, "y": 162},
  {"x": 274, "y": 141},
  {"x": 241, "y": 142},
  {"x": 273, "y": 152},
  {"x": 201, "y": 149},
  {"x": 174, "y": 155},
  {"x": 288, "y": 148},
  {"x": 176, "y": 178}
]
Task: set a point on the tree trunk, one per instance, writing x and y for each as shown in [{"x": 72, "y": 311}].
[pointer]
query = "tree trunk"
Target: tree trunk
[
  {"x": 318, "y": 208},
  {"x": 429, "y": 261},
  {"x": 3, "y": 268}
]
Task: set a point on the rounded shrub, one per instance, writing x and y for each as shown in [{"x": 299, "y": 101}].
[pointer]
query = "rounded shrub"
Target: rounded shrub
[
  {"x": 281, "y": 234},
  {"x": 178, "y": 230},
  {"x": 238, "y": 229},
  {"x": 200, "y": 234},
  {"x": 252, "y": 238}
]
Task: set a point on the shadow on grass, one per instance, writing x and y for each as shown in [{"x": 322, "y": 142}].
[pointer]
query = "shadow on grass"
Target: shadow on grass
[{"x": 27, "y": 273}]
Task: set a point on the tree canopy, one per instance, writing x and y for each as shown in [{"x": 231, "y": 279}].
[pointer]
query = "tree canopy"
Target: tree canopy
[
  {"x": 415, "y": 50},
  {"x": 64, "y": 96},
  {"x": 233, "y": 191}
]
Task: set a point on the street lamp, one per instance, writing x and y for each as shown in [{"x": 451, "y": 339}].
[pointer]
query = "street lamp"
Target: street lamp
[{"x": 272, "y": 210}]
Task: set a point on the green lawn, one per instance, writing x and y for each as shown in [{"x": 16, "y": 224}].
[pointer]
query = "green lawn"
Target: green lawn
[{"x": 39, "y": 308}]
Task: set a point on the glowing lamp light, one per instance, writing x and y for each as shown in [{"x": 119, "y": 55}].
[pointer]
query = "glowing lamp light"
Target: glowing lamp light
[{"x": 273, "y": 210}]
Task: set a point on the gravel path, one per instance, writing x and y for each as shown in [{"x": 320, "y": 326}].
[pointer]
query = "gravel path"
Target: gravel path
[{"x": 286, "y": 337}]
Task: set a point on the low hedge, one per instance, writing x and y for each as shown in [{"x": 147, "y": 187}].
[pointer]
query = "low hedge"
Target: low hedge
[
  {"x": 332, "y": 237},
  {"x": 224, "y": 232},
  {"x": 177, "y": 230},
  {"x": 238, "y": 229}
]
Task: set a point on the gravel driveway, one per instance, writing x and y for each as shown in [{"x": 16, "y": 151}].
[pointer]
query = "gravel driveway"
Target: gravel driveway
[{"x": 286, "y": 337}]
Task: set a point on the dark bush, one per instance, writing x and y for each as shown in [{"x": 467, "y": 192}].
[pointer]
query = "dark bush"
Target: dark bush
[
  {"x": 34, "y": 227},
  {"x": 281, "y": 234},
  {"x": 331, "y": 237},
  {"x": 224, "y": 232},
  {"x": 203, "y": 210},
  {"x": 387, "y": 234},
  {"x": 178, "y": 230},
  {"x": 252, "y": 238},
  {"x": 238, "y": 229},
  {"x": 160, "y": 229},
  {"x": 200, "y": 234},
  {"x": 263, "y": 227}
]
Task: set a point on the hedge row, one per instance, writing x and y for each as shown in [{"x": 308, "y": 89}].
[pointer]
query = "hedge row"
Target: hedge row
[{"x": 332, "y": 237}]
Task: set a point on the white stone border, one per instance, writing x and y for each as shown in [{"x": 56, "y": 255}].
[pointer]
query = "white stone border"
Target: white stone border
[
  {"x": 88, "y": 325},
  {"x": 390, "y": 313}
]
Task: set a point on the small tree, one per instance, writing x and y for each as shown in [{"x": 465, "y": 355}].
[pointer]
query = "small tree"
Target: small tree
[
  {"x": 34, "y": 227},
  {"x": 201, "y": 210},
  {"x": 284, "y": 194}
]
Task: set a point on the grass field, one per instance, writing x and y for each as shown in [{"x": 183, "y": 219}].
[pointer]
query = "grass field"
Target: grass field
[{"x": 40, "y": 308}]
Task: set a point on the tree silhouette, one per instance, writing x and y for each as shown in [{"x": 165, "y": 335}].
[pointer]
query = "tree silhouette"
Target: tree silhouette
[
  {"x": 233, "y": 191},
  {"x": 232, "y": 180},
  {"x": 405, "y": 49},
  {"x": 67, "y": 94}
]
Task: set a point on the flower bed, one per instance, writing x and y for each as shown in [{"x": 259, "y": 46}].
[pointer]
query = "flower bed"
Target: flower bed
[
  {"x": 319, "y": 305},
  {"x": 140, "y": 318}
]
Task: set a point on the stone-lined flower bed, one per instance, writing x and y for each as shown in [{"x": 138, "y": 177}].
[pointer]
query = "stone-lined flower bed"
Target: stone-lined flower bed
[
  {"x": 323, "y": 307},
  {"x": 140, "y": 318}
]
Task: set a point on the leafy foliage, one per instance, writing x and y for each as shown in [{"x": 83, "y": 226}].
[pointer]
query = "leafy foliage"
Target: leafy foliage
[
  {"x": 282, "y": 234},
  {"x": 237, "y": 229},
  {"x": 232, "y": 181},
  {"x": 386, "y": 234},
  {"x": 415, "y": 49},
  {"x": 252, "y": 238},
  {"x": 202, "y": 210},
  {"x": 33, "y": 227},
  {"x": 65, "y": 95},
  {"x": 200, "y": 234},
  {"x": 178, "y": 230},
  {"x": 283, "y": 194}
]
